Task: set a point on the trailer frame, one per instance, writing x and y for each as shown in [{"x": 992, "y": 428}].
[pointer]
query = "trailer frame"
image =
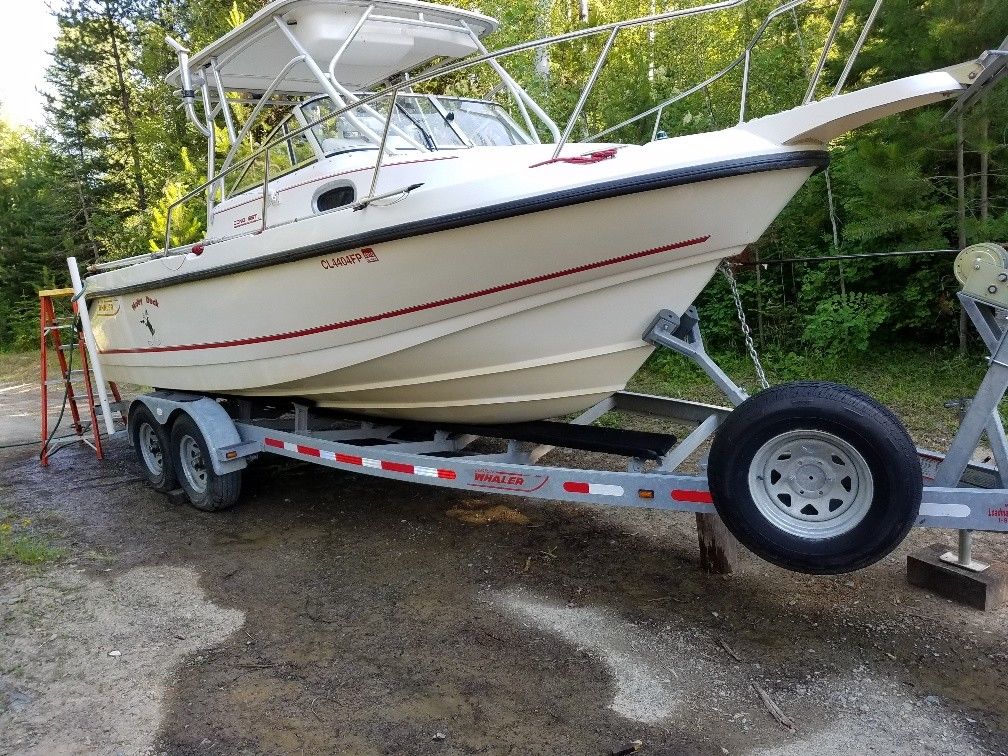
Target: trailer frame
[
  {"x": 958, "y": 493},
  {"x": 369, "y": 445}
]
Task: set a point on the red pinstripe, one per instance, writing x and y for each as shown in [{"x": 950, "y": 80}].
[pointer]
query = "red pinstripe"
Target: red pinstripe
[{"x": 414, "y": 308}]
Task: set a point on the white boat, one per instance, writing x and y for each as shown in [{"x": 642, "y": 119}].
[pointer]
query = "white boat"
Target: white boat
[{"x": 440, "y": 263}]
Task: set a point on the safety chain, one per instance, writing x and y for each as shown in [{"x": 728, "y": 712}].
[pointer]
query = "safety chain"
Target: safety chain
[{"x": 750, "y": 345}]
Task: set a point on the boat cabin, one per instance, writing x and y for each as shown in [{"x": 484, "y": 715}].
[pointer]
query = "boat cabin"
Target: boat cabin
[{"x": 297, "y": 69}]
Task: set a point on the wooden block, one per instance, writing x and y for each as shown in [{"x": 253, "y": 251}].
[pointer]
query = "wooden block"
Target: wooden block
[
  {"x": 177, "y": 496},
  {"x": 718, "y": 548},
  {"x": 987, "y": 590}
]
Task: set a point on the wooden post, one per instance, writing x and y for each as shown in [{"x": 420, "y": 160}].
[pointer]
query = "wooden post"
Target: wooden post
[{"x": 718, "y": 547}]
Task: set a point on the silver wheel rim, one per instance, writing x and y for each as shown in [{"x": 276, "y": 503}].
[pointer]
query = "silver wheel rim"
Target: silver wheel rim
[
  {"x": 150, "y": 449},
  {"x": 193, "y": 466},
  {"x": 811, "y": 484}
]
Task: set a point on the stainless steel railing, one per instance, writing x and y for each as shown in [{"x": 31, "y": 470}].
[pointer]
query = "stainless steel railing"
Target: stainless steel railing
[{"x": 612, "y": 29}]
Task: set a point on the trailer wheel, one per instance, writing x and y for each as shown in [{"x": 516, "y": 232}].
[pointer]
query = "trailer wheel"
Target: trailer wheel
[
  {"x": 151, "y": 444},
  {"x": 206, "y": 489},
  {"x": 815, "y": 477}
]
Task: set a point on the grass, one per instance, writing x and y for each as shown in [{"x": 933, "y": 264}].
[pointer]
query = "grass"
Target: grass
[
  {"x": 20, "y": 543},
  {"x": 23, "y": 367},
  {"x": 915, "y": 382},
  {"x": 27, "y": 549}
]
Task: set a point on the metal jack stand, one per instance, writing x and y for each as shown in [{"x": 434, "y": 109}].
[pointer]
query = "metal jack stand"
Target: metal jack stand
[
  {"x": 956, "y": 574},
  {"x": 964, "y": 556},
  {"x": 981, "y": 418}
]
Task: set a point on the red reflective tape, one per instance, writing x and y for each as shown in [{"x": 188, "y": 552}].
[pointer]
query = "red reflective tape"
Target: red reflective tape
[
  {"x": 446, "y": 474},
  {"x": 572, "y": 487},
  {"x": 694, "y": 497},
  {"x": 273, "y": 442},
  {"x": 348, "y": 459},
  {"x": 309, "y": 451},
  {"x": 397, "y": 467}
]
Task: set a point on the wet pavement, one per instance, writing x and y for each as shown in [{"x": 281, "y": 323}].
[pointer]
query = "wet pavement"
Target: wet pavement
[{"x": 376, "y": 623}]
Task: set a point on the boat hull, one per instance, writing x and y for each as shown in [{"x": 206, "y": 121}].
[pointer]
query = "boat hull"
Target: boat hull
[{"x": 518, "y": 318}]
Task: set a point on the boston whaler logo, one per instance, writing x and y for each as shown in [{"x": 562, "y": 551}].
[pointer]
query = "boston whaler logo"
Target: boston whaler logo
[
  {"x": 147, "y": 302},
  {"x": 508, "y": 480},
  {"x": 367, "y": 254}
]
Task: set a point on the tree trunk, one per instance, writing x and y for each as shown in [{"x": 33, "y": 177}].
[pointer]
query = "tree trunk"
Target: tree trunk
[
  {"x": 542, "y": 54},
  {"x": 984, "y": 165},
  {"x": 961, "y": 190},
  {"x": 124, "y": 100},
  {"x": 836, "y": 232},
  {"x": 85, "y": 211}
]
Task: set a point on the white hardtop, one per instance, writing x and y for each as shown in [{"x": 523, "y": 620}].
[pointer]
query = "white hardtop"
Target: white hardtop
[{"x": 398, "y": 35}]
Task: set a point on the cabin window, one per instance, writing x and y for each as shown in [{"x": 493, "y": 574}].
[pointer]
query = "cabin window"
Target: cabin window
[
  {"x": 292, "y": 153},
  {"x": 485, "y": 123},
  {"x": 418, "y": 117},
  {"x": 415, "y": 119},
  {"x": 337, "y": 196},
  {"x": 339, "y": 134},
  {"x": 285, "y": 156}
]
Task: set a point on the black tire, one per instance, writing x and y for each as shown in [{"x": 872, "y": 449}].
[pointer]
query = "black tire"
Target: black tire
[
  {"x": 760, "y": 437},
  {"x": 151, "y": 444},
  {"x": 205, "y": 489}
]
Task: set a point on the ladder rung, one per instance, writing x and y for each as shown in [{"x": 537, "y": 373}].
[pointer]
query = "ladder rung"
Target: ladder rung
[
  {"x": 75, "y": 374},
  {"x": 58, "y": 327},
  {"x": 67, "y": 347},
  {"x": 86, "y": 424},
  {"x": 113, "y": 406},
  {"x": 66, "y": 440}
]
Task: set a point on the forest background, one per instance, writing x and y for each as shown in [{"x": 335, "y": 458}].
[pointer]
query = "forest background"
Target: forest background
[{"x": 115, "y": 150}]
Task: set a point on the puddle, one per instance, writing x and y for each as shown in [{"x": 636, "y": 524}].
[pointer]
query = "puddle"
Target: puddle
[
  {"x": 647, "y": 685},
  {"x": 85, "y": 664}
]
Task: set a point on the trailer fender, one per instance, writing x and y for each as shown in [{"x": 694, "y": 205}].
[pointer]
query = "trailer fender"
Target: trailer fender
[{"x": 212, "y": 419}]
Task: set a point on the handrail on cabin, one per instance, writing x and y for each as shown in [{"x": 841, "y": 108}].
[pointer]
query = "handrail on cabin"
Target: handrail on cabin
[{"x": 612, "y": 28}]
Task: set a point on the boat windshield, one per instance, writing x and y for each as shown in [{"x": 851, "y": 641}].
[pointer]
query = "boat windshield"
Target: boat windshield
[
  {"x": 437, "y": 123},
  {"x": 485, "y": 123}
]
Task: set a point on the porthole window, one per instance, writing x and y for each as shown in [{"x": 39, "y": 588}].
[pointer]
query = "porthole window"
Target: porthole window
[{"x": 338, "y": 196}]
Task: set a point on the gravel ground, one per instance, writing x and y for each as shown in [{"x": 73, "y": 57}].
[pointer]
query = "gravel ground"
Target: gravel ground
[{"x": 335, "y": 613}]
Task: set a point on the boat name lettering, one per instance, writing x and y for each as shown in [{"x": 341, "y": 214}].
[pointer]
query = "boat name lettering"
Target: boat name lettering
[
  {"x": 365, "y": 255},
  {"x": 246, "y": 220},
  {"x": 145, "y": 300}
]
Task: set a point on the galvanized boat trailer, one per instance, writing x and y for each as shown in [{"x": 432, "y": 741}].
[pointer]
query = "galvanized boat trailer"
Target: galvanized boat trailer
[{"x": 807, "y": 485}]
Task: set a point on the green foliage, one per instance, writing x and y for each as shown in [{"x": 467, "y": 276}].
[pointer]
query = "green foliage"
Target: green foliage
[
  {"x": 188, "y": 219},
  {"x": 843, "y": 326},
  {"x": 117, "y": 151},
  {"x": 36, "y": 231},
  {"x": 19, "y": 544},
  {"x": 915, "y": 382}
]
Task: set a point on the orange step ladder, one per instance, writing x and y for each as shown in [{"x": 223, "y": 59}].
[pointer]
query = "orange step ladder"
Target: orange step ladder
[{"x": 50, "y": 328}]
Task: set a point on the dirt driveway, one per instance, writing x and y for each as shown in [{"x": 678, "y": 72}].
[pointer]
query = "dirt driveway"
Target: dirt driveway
[{"x": 334, "y": 613}]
